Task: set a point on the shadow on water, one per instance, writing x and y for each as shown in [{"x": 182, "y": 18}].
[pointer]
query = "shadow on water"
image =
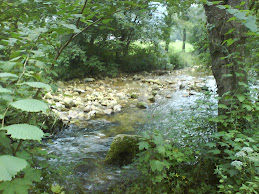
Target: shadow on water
[{"x": 81, "y": 151}]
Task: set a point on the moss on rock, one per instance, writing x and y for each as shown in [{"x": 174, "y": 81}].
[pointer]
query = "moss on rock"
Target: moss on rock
[{"x": 123, "y": 149}]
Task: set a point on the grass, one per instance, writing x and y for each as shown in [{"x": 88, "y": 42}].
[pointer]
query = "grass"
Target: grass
[
  {"x": 187, "y": 58},
  {"x": 174, "y": 47}
]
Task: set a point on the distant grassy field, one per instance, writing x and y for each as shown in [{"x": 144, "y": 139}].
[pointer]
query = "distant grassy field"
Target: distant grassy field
[
  {"x": 174, "y": 47},
  {"x": 177, "y": 47}
]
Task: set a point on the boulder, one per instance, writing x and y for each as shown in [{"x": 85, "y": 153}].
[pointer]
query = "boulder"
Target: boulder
[
  {"x": 120, "y": 95},
  {"x": 153, "y": 81},
  {"x": 152, "y": 99},
  {"x": 90, "y": 115},
  {"x": 79, "y": 91},
  {"x": 69, "y": 103},
  {"x": 123, "y": 149},
  {"x": 133, "y": 95},
  {"x": 88, "y": 108},
  {"x": 117, "y": 108},
  {"x": 137, "y": 77},
  {"x": 48, "y": 96},
  {"x": 107, "y": 111},
  {"x": 142, "y": 105},
  {"x": 89, "y": 79}
]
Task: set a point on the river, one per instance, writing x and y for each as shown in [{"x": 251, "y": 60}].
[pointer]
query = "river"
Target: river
[{"x": 80, "y": 151}]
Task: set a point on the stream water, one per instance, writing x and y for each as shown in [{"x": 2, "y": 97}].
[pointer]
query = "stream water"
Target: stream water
[{"x": 81, "y": 151}]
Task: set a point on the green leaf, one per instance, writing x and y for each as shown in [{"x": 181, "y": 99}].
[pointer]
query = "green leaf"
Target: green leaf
[
  {"x": 160, "y": 149},
  {"x": 24, "y": 131},
  {"x": 248, "y": 107},
  {"x": 158, "y": 139},
  {"x": 5, "y": 141},
  {"x": 8, "y": 75},
  {"x": 2, "y": 47},
  {"x": 77, "y": 15},
  {"x": 240, "y": 97},
  {"x": 72, "y": 27},
  {"x": 229, "y": 41},
  {"x": 211, "y": 144},
  {"x": 241, "y": 15},
  {"x": 4, "y": 90},
  {"x": 30, "y": 105},
  {"x": 250, "y": 23},
  {"x": 19, "y": 185},
  {"x": 106, "y": 21},
  {"x": 56, "y": 188},
  {"x": 143, "y": 145},
  {"x": 10, "y": 166},
  {"x": 230, "y": 31},
  {"x": 216, "y": 151},
  {"x": 32, "y": 174},
  {"x": 232, "y": 11},
  {"x": 248, "y": 117},
  {"x": 7, "y": 66},
  {"x": 223, "y": 106},
  {"x": 38, "y": 85},
  {"x": 156, "y": 165}
]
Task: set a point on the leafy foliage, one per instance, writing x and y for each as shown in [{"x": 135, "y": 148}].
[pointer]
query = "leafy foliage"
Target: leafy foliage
[
  {"x": 30, "y": 105},
  {"x": 38, "y": 85},
  {"x": 24, "y": 131},
  {"x": 10, "y": 166}
]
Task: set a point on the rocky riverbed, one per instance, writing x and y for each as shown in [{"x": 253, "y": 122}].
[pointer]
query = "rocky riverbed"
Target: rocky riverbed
[
  {"x": 78, "y": 101},
  {"x": 100, "y": 112}
]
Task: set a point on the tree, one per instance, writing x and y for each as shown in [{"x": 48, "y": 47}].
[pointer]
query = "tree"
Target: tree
[{"x": 227, "y": 48}]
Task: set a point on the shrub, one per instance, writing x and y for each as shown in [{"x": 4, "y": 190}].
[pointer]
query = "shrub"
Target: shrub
[{"x": 141, "y": 60}]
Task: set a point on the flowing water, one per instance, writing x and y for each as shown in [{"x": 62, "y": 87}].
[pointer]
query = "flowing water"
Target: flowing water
[{"x": 81, "y": 151}]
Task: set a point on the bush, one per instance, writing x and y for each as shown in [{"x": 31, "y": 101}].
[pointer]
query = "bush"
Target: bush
[{"x": 142, "y": 60}]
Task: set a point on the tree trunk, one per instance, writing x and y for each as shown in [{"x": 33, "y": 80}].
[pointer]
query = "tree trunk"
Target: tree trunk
[
  {"x": 184, "y": 39},
  {"x": 167, "y": 42},
  {"x": 226, "y": 65}
]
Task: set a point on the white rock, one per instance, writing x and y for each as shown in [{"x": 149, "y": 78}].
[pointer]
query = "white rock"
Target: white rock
[
  {"x": 81, "y": 115},
  {"x": 120, "y": 95},
  {"x": 48, "y": 96},
  {"x": 72, "y": 114},
  {"x": 69, "y": 103},
  {"x": 88, "y": 108},
  {"x": 112, "y": 103},
  {"x": 90, "y": 115},
  {"x": 108, "y": 111},
  {"x": 117, "y": 108}
]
